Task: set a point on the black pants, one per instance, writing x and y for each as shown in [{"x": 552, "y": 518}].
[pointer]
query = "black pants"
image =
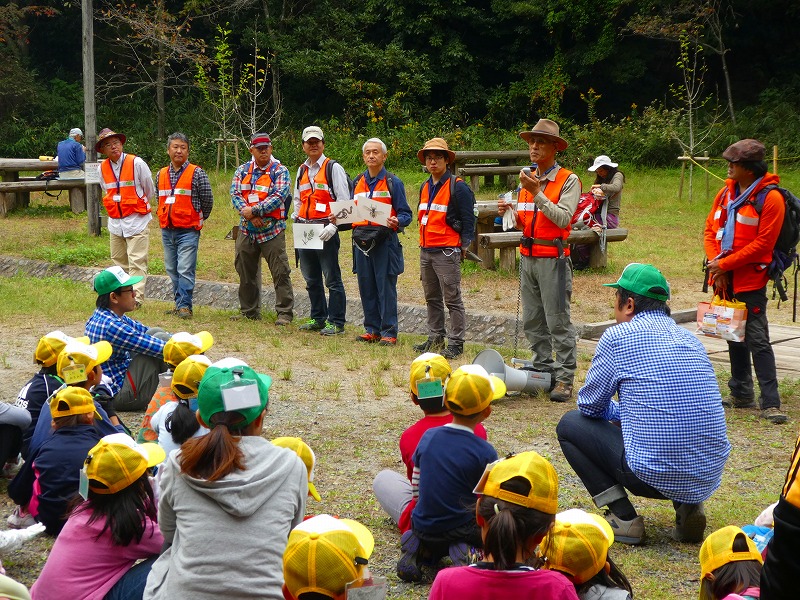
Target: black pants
[{"x": 10, "y": 443}]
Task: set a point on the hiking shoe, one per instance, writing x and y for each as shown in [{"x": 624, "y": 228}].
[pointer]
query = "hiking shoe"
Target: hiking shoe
[
  {"x": 562, "y": 392},
  {"x": 739, "y": 402},
  {"x": 690, "y": 523},
  {"x": 12, "y": 467},
  {"x": 388, "y": 341},
  {"x": 462, "y": 554},
  {"x": 312, "y": 325},
  {"x": 283, "y": 320},
  {"x": 626, "y": 532},
  {"x": 432, "y": 344},
  {"x": 408, "y": 568},
  {"x": 20, "y": 519},
  {"x": 774, "y": 415},
  {"x": 331, "y": 329},
  {"x": 369, "y": 338},
  {"x": 184, "y": 313},
  {"x": 453, "y": 351},
  {"x": 244, "y": 317}
]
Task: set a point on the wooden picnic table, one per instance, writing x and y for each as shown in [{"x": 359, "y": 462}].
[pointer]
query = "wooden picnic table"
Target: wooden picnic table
[
  {"x": 472, "y": 163},
  {"x": 15, "y": 191}
]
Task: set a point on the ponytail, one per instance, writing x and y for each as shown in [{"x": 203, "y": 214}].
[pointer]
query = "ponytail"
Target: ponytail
[{"x": 216, "y": 454}]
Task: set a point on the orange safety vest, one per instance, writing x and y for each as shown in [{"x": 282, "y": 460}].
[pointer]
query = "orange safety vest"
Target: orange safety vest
[
  {"x": 315, "y": 197},
  {"x": 379, "y": 194},
  {"x": 129, "y": 201},
  {"x": 261, "y": 188},
  {"x": 179, "y": 212},
  {"x": 752, "y": 275},
  {"x": 434, "y": 232},
  {"x": 537, "y": 226}
]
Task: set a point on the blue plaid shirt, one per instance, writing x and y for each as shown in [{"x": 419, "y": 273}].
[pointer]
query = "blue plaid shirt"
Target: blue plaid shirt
[
  {"x": 125, "y": 335},
  {"x": 669, "y": 408},
  {"x": 279, "y": 193}
]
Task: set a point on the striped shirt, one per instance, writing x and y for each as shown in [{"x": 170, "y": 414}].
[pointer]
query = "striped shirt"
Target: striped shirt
[
  {"x": 278, "y": 194},
  {"x": 669, "y": 405}
]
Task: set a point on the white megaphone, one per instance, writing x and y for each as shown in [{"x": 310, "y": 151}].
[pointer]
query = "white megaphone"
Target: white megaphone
[{"x": 524, "y": 379}]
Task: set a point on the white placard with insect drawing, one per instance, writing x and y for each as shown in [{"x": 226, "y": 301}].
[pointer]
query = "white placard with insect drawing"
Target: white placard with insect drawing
[
  {"x": 306, "y": 236},
  {"x": 345, "y": 212},
  {"x": 371, "y": 210}
]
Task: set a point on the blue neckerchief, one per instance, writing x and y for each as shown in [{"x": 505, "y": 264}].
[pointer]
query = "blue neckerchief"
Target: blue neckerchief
[{"x": 730, "y": 222}]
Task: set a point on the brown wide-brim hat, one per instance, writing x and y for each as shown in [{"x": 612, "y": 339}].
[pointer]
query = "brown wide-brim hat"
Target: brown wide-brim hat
[
  {"x": 106, "y": 133},
  {"x": 438, "y": 144},
  {"x": 546, "y": 129},
  {"x": 747, "y": 150}
]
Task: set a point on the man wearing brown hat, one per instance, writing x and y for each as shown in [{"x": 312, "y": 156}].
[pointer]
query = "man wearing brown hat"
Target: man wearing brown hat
[
  {"x": 259, "y": 193},
  {"x": 127, "y": 185},
  {"x": 740, "y": 235},
  {"x": 446, "y": 228},
  {"x": 547, "y": 200}
]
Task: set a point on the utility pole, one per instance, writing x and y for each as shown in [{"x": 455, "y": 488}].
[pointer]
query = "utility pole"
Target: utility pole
[{"x": 89, "y": 115}]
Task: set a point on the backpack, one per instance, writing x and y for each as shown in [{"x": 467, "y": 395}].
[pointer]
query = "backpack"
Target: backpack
[
  {"x": 784, "y": 255},
  {"x": 585, "y": 215},
  {"x": 329, "y": 176}
]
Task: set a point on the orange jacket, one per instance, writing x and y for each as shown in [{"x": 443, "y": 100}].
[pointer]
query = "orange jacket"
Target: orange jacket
[
  {"x": 315, "y": 197},
  {"x": 129, "y": 201},
  {"x": 754, "y": 235},
  {"x": 434, "y": 232},
  {"x": 543, "y": 228},
  {"x": 380, "y": 194},
  {"x": 180, "y": 213}
]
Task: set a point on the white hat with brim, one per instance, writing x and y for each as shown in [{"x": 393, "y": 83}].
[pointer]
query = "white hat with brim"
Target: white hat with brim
[
  {"x": 602, "y": 161},
  {"x": 547, "y": 129}
]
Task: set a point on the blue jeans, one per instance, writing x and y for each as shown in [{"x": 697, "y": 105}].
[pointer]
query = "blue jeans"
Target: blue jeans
[
  {"x": 180, "y": 262},
  {"x": 131, "y": 586},
  {"x": 316, "y": 264}
]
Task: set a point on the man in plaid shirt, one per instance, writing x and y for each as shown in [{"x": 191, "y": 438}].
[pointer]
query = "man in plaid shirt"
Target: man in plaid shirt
[
  {"x": 665, "y": 436},
  {"x": 260, "y": 193}
]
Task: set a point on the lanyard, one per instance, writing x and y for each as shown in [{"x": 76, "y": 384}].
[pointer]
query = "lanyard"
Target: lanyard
[
  {"x": 121, "y": 164},
  {"x": 177, "y": 178}
]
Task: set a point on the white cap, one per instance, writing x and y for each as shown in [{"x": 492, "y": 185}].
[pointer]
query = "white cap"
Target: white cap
[
  {"x": 312, "y": 132},
  {"x": 75, "y": 131}
]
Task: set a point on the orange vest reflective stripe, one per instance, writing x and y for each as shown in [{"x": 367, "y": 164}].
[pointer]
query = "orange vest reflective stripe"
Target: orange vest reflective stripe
[
  {"x": 536, "y": 225},
  {"x": 180, "y": 212},
  {"x": 129, "y": 200},
  {"x": 434, "y": 232},
  {"x": 379, "y": 194},
  {"x": 315, "y": 196},
  {"x": 261, "y": 189}
]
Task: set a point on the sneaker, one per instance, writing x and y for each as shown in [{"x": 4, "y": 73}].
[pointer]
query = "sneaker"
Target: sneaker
[
  {"x": 20, "y": 519},
  {"x": 283, "y": 320},
  {"x": 244, "y": 317},
  {"x": 408, "y": 568},
  {"x": 562, "y": 392},
  {"x": 739, "y": 402},
  {"x": 690, "y": 523},
  {"x": 774, "y": 415},
  {"x": 312, "y": 325},
  {"x": 369, "y": 338},
  {"x": 462, "y": 554},
  {"x": 453, "y": 351},
  {"x": 12, "y": 467},
  {"x": 331, "y": 329},
  {"x": 432, "y": 344},
  {"x": 626, "y": 532},
  {"x": 184, "y": 313},
  {"x": 388, "y": 341}
]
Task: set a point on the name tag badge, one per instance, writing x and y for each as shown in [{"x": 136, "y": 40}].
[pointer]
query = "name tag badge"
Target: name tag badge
[
  {"x": 425, "y": 220},
  {"x": 719, "y": 234},
  {"x": 83, "y": 483},
  {"x": 252, "y": 198},
  {"x": 74, "y": 373},
  {"x": 321, "y": 207},
  {"x": 116, "y": 198},
  {"x": 170, "y": 200}
]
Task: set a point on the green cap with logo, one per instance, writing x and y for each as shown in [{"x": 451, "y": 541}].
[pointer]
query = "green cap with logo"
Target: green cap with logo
[
  {"x": 644, "y": 280},
  {"x": 230, "y": 385},
  {"x": 113, "y": 278}
]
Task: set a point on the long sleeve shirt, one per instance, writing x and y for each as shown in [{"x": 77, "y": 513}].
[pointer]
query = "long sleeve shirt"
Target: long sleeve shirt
[
  {"x": 339, "y": 183},
  {"x": 399, "y": 201},
  {"x": 134, "y": 223},
  {"x": 278, "y": 194}
]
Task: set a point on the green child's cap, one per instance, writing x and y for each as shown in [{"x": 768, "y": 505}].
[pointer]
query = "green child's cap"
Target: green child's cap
[
  {"x": 644, "y": 280},
  {"x": 230, "y": 385},
  {"x": 113, "y": 278}
]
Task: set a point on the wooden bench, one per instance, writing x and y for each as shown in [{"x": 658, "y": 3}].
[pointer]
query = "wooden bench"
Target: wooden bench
[
  {"x": 473, "y": 164},
  {"x": 508, "y": 242},
  {"x": 15, "y": 191},
  {"x": 476, "y": 171}
]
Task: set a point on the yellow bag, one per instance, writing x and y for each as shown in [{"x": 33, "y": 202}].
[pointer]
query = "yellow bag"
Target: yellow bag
[{"x": 722, "y": 318}]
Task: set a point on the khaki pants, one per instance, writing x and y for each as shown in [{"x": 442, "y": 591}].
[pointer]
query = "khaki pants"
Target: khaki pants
[
  {"x": 248, "y": 266},
  {"x": 131, "y": 254}
]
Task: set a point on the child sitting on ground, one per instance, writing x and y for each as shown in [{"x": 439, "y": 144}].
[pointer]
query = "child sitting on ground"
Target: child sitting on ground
[
  {"x": 323, "y": 555},
  {"x": 516, "y": 508},
  {"x": 176, "y": 422},
  {"x": 177, "y": 349},
  {"x": 448, "y": 463},
  {"x": 577, "y": 546},
  {"x": 730, "y": 566},
  {"x": 306, "y": 454},
  {"x": 392, "y": 490},
  {"x": 95, "y": 554},
  {"x": 46, "y": 489}
]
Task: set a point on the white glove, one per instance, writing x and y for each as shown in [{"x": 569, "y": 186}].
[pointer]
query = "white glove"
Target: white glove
[
  {"x": 765, "y": 519},
  {"x": 509, "y": 219},
  {"x": 327, "y": 233},
  {"x": 13, "y": 539}
]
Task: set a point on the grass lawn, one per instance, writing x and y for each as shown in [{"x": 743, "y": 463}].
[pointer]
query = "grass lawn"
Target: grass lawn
[{"x": 350, "y": 402}]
